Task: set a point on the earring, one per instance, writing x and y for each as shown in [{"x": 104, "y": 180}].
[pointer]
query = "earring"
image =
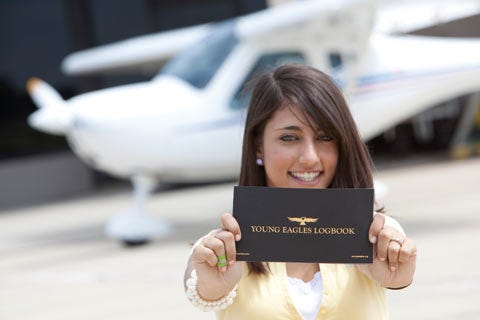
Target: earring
[{"x": 259, "y": 162}]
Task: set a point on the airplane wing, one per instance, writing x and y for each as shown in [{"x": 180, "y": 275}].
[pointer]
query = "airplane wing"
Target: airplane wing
[
  {"x": 411, "y": 15},
  {"x": 283, "y": 17},
  {"x": 149, "y": 51}
]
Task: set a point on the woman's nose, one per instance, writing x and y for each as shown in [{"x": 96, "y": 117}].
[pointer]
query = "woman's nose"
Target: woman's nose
[{"x": 309, "y": 154}]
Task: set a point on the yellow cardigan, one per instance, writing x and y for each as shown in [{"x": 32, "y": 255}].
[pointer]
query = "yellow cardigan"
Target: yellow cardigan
[{"x": 347, "y": 294}]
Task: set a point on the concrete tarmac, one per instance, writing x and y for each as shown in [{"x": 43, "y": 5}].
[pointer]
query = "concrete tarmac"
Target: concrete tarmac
[{"x": 56, "y": 262}]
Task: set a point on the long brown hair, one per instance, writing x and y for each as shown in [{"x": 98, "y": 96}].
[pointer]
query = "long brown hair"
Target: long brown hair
[{"x": 321, "y": 105}]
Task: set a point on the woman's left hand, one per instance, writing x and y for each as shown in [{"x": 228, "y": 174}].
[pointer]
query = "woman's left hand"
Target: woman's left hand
[{"x": 394, "y": 255}]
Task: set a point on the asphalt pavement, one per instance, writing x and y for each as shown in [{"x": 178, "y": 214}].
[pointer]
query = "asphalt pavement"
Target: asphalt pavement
[{"x": 57, "y": 263}]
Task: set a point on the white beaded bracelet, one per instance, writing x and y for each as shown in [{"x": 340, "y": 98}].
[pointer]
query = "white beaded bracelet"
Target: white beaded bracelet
[{"x": 194, "y": 297}]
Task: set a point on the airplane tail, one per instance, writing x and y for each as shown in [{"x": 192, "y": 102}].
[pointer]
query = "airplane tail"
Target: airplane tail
[{"x": 53, "y": 115}]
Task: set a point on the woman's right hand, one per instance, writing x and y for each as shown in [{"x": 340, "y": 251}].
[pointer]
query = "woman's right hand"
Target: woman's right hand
[{"x": 215, "y": 282}]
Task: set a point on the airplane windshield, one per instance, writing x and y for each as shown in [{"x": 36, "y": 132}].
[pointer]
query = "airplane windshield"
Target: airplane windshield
[{"x": 198, "y": 63}]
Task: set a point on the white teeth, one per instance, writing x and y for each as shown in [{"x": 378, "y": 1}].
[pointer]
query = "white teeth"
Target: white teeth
[{"x": 306, "y": 176}]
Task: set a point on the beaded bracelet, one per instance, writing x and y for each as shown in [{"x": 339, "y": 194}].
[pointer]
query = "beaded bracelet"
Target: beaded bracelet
[{"x": 194, "y": 297}]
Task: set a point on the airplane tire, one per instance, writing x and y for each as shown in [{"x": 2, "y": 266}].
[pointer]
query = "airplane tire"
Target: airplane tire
[{"x": 135, "y": 243}]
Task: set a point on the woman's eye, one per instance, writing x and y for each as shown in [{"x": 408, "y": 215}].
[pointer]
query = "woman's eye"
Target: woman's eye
[
  {"x": 325, "y": 138},
  {"x": 288, "y": 137}
]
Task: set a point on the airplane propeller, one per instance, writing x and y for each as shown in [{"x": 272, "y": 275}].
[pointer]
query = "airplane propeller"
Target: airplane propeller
[{"x": 53, "y": 116}]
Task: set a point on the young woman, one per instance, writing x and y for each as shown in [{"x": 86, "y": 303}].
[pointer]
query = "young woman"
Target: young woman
[{"x": 299, "y": 133}]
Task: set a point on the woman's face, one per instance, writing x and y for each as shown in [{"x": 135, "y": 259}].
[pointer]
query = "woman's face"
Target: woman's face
[{"x": 294, "y": 155}]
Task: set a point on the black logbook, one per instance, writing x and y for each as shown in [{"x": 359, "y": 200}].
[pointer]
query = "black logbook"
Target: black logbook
[{"x": 304, "y": 225}]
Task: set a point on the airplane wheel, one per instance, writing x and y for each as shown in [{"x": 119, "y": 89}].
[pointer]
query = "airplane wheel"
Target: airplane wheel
[{"x": 135, "y": 243}]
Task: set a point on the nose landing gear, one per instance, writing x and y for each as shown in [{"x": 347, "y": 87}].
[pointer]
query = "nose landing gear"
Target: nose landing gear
[{"x": 136, "y": 226}]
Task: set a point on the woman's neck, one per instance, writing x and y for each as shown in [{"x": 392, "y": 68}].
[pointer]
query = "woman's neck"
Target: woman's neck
[{"x": 302, "y": 271}]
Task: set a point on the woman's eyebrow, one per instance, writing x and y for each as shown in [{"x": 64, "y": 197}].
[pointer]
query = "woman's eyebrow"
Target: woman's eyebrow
[{"x": 294, "y": 128}]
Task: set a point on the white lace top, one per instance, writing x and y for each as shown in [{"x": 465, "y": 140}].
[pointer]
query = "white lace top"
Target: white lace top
[{"x": 307, "y": 296}]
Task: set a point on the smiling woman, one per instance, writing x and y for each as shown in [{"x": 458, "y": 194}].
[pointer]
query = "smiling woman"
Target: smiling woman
[
  {"x": 294, "y": 154},
  {"x": 299, "y": 105},
  {"x": 299, "y": 133}
]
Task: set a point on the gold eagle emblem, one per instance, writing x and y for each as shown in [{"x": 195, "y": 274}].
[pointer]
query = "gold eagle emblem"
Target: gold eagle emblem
[{"x": 302, "y": 220}]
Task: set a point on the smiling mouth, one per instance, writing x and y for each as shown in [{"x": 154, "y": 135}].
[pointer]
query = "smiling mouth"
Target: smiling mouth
[{"x": 305, "y": 176}]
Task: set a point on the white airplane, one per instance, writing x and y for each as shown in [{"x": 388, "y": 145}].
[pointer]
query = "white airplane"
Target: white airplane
[{"x": 186, "y": 123}]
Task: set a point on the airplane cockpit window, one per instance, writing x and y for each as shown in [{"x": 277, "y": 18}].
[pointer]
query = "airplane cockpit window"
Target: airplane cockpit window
[
  {"x": 199, "y": 62},
  {"x": 269, "y": 61}
]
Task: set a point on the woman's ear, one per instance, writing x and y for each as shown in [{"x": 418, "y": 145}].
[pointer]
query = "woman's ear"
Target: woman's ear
[
  {"x": 259, "y": 148},
  {"x": 259, "y": 152},
  {"x": 259, "y": 160},
  {"x": 259, "y": 155}
]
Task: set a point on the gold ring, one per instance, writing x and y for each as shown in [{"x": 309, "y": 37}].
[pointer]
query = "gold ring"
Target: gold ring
[{"x": 398, "y": 240}]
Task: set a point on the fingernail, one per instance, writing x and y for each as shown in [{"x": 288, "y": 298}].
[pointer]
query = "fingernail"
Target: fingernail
[
  {"x": 224, "y": 269},
  {"x": 373, "y": 239},
  {"x": 231, "y": 262},
  {"x": 238, "y": 237},
  {"x": 381, "y": 259},
  {"x": 393, "y": 268}
]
